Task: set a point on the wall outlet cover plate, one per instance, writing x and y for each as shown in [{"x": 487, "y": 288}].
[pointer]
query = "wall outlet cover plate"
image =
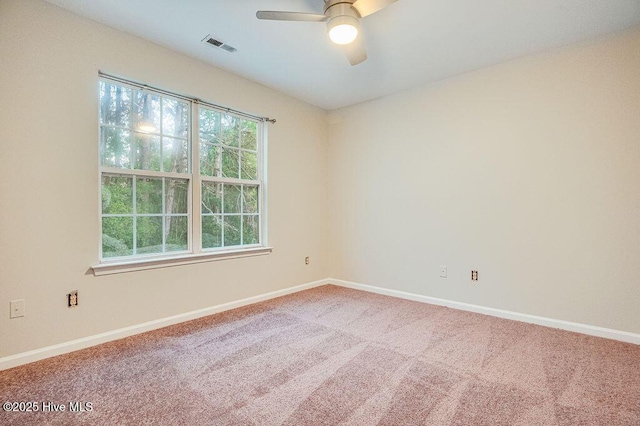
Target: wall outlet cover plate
[
  {"x": 443, "y": 271},
  {"x": 16, "y": 308}
]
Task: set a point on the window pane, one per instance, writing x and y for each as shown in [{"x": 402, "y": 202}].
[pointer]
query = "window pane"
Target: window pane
[
  {"x": 249, "y": 165},
  {"x": 176, "y": 228},
  {"x": 115, "y": 147},
  {"x": 146, "y": 112},
  {"x": 147, "y": 152},
  {"x": 230, "y": 162},
  {"x": 176, "y": 197},
  {"x": 209, "y": 125},
  {"x": 149, "y": 234},
  {"x": 115, "y": 104},
  {"x": 211, "y": 231},
  {"x": 210, "y": 164},
  {"x": 211, "y": 197},
  {"x": 232, "y": 230},
  {"x": 229, "y": 130},
  {"x": 148, "y": 196},
  {"x": 117, "y": 236},
  {"x": 117, "y": 194},
  {"x": 250, "y": 201},
  {"x": 174, "y": 118},
  {"x": 175, "y": 153},
  {"x": 232, "y": 199},
  {"x": 250, "y": 230},
  {"x": 249, "y": 136}
]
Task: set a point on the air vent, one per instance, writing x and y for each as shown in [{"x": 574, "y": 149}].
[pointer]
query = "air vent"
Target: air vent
[
  {"x": 219, "y": 44},
  {"x": 215, "y": 42}
]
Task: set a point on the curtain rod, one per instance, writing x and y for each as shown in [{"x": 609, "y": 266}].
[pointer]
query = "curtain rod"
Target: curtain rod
[{"x": 184, "y": 97}]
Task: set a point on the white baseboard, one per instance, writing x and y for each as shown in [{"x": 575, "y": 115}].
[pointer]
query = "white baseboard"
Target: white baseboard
[
  {"x": 591, "y": 330},
  {"x": 86, "y": 342}
]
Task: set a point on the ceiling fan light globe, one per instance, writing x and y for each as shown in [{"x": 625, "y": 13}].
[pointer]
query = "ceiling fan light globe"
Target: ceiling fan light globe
[
  {"x": 343, "y": 34},
  {"x": 343, "y": 29}
]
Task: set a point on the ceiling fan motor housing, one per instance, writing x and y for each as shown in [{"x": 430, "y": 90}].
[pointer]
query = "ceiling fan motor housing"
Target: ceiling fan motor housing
[{"x": 335, "y": 8}]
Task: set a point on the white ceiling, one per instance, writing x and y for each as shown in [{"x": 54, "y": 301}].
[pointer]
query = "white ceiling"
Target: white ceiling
[{"x": 410, "y": 43}]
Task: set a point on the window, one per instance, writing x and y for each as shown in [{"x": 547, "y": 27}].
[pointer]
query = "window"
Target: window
[
  {"x": 230, "y": 185},
  {"x": 169, "y": 192}
]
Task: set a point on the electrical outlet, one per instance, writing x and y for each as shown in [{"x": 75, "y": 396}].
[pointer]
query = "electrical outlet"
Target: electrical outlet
[
  {"x": 17, "y": 308},
  {"x": 306, "y": 260},
  {"x": 72, "y": 299},
  {"x": 443, "y": 271},
  {"x": 474, "y": 275}
]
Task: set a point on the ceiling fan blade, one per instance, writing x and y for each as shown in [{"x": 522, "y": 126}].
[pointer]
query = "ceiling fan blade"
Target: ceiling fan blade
[
  {"x": 274, "y": 15},
  {"x": 367, "y": 7},
  {"x": 355, "y": 51}
]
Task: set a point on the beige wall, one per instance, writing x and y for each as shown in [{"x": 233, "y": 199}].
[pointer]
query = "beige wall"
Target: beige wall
[
  {"x": 528, "y": 172},
  {"x": 49, "y": 224}
]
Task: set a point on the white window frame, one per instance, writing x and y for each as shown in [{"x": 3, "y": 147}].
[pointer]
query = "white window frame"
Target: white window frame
[{"x": 194, "y": 253}]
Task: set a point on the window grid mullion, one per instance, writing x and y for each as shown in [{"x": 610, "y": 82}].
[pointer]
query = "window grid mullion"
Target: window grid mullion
[
  {"x": 132, "y": 151},
  {"x": 131, "y": 129},
  {"x": 161, "y": 137},
  {"x": 144, "y": 173},
  {"x": 144, "y": 215},
  {"x": 164, "y": 213},
  {"x": 220, "y": 144},
  {"x": 239, "y": 151},
  {"x": 134, "y": 209},
  {"x": 231, "y": 181},
  {"x": 241, "y": 211},
  {"x": 222, "y": 216},
  {"x": 195, "y": 195}
]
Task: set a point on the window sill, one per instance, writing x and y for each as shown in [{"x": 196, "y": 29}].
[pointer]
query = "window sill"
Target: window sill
[{"x": 109, "y": 268}]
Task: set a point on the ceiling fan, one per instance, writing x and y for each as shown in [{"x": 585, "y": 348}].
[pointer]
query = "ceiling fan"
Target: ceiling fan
[{"x": 343, "y": 22}]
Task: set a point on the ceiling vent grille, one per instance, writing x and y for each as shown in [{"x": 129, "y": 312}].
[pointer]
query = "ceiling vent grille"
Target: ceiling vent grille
[{"x": 219, "y": 44}]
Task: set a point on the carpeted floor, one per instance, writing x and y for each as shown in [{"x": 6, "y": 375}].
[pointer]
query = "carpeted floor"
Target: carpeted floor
[{"x": 331, "y": 356}]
